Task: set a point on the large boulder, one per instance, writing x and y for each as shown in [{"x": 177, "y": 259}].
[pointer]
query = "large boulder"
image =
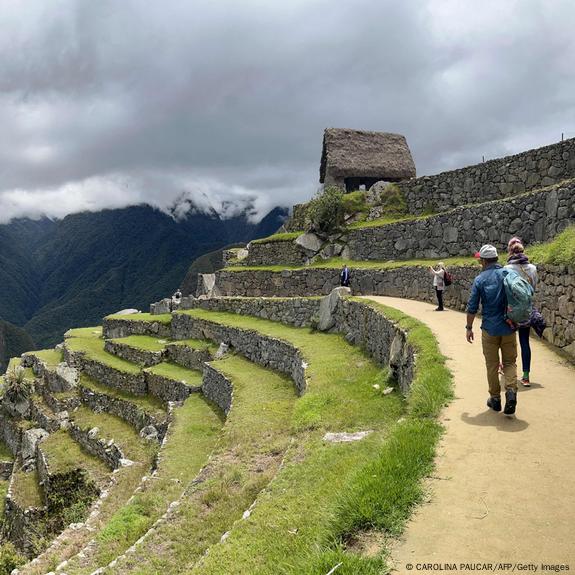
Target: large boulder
[
  {"x": 310, "y": 242},
  {"x": 161, "y": 307},
  {"x": 328, "y": 306},
  {"x": 207, "y": 287},
  {"x": 69, "y": 374}
]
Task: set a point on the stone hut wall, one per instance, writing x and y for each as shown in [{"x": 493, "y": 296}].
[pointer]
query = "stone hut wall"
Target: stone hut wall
[
  {"x": 218, "y": 388},
  {"x": 491, "y": 180}
]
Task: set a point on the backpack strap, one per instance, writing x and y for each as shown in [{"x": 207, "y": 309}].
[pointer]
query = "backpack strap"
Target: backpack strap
[{"x": 525, "y": 275}]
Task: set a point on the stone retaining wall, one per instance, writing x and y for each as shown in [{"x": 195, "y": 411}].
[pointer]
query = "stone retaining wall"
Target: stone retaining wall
[
  {"x": 126, "y": 410},
  {"x": 387, "y": 344},
  {"x": 291, "y": 311},
  {"x": 494, "y": 179},
  {"x": 261, "y": 349},
  {"x": 107, "y": 451},
  {"x": 555, "y": 295},
  {"x": 187, "y": 356},
  {"x": 535, "y": 217},
  {"x": 117, "y": 328},
  {"x": 168, "y": 389},
  {"x": 217, "y": 388},
  {"x": 48, "y": 422},
  {"x": 57, "y": 404},
  {"x": 143, "y": 357},
  {"x": 10, "y": 433},
  {"x": 130, "y": 382},
  {"x": 287, "y": 253}
]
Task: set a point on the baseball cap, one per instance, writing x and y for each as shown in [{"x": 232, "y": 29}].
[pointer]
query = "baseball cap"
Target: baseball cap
[{"x": 487, "y": 252}]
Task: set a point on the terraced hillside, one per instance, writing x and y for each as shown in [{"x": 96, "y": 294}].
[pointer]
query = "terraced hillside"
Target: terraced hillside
[{"x": 150, "y": 448}]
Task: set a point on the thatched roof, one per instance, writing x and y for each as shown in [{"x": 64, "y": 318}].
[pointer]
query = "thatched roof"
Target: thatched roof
[{"x": 351, "y": 153}]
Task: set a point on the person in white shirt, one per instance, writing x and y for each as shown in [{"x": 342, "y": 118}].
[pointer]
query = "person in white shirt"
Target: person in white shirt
[
  {"x": 519, "y": 262},
  {"x": 438, "y": 284}
]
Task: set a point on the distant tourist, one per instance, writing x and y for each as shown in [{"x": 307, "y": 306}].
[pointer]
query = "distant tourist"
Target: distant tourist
[
  {"x": 344, "y": 277},
  {"x": 519, "y": 262},
  {"x": 438, "y": 284},
  {"x": 496, "y": 335}
]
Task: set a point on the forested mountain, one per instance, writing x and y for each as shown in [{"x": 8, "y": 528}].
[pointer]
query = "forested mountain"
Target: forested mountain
[{"x": 71, "y": 272}]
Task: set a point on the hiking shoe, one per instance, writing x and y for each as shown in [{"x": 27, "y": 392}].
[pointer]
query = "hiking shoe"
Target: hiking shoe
[
  {"x": 494, "y": 403},
  {"x": 510, "y": 402},
  {"x": 525, "y": 382}
]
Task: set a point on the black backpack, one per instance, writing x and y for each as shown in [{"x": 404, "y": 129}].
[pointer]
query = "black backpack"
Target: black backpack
[{"x": 447, "y": 278}]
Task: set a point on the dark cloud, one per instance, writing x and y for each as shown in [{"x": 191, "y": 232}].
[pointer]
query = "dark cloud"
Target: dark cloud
[{"x": 105, "y": 104}]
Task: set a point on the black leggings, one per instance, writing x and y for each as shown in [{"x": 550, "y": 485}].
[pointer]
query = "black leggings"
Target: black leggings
[
  {"x": 525, "y": 347},
  {"x": 439, "y": 293}
]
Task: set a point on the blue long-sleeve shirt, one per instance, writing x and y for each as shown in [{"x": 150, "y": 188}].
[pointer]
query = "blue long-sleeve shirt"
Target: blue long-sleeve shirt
[{"x": 489, "y": 290}]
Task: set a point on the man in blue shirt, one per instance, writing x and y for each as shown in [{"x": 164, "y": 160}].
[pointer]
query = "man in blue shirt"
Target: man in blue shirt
[{"x": 496, "y": 335}]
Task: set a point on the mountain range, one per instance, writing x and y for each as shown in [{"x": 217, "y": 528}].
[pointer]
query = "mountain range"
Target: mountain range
[{"x": 58, "y": 274}]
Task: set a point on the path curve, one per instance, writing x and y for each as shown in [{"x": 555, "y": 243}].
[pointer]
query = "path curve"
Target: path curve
[{"x": 504, "y": 488}]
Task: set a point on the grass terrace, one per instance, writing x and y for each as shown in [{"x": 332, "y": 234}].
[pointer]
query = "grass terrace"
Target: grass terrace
[
  {"x": 165, "y": 318},
  {"x": 51, "y": 357},
  {"x": 92, "y": 345},
  {"x": 144, "y": 342},
  {"x": 116, "y": 429},
  {"x": 63, "y": 455},
  {"x": 198, "y": 344},
  {"x": 559, "y": 251},
  {"x": 281, "y": 237}
]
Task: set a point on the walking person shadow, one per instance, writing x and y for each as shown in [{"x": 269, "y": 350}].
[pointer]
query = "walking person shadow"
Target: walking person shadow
[{"x": 489, "y": 418}]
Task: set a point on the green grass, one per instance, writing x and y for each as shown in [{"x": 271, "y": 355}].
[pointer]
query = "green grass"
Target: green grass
[
  {"x": 338, "y": 263},
  {"x": 93, "y": 346},
  {"x": 26, "y": 489},
  {"x": 63, "y": 455},
  {"x": 162, "y": 318},
  {"x": 89, "y": 332},
  {"x": 559, "y": 251},
  {"x": 281, "y": 237},
  {"x": 123, "y": 434},
  {"x": 384, "y": 221},
  {"x": 144, "y": 342},
  {"x": 192, "y": 436},
  {"x": 256, "y": 435},
  {"x": 51, "y": 357},
  {"x": 177, "y": 373},
  {"x": 147, "y": 403},
  {"x": 198, "y": 344}
]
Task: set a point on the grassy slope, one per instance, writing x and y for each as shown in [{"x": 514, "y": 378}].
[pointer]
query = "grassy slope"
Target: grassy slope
[
  {"x": 256, "y": 435},
  {"x": 161, "y": 318},
  {"x": 327, "y": 493},
  {"x": 144, "y": 342},
  {"x": 192, "y": 436},
  {"x": 177, "y": 373}
]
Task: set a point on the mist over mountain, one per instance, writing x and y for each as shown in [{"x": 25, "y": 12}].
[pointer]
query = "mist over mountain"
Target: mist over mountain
[{"x": 56, "y": 274}]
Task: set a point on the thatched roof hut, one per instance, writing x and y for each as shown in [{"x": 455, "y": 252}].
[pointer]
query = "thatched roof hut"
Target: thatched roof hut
[{"x": 352, "y": 158}]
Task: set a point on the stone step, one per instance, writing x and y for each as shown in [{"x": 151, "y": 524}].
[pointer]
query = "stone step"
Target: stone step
[
  {"x": 60, "y": 401},
  {"x": 110, "y": 438},
  {"x": 140, "y": 411}
]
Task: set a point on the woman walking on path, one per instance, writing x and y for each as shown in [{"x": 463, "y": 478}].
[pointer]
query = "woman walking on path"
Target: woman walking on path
[
  {"x": 519, "y": 262},
  {"x": 438, "y": 283}
]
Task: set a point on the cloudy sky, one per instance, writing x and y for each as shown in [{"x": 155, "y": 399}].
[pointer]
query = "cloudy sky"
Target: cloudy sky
[{"x": 110, "y": 103}]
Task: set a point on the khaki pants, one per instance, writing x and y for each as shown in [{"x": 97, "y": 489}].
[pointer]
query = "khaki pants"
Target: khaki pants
[{"x": 508, "y": 345}]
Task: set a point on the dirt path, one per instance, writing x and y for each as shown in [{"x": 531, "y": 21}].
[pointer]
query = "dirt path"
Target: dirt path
[{"x": 504, "y": 488}]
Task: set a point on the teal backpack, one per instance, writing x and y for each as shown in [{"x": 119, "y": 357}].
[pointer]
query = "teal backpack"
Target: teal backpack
[{"x": 519, "y": 293}]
